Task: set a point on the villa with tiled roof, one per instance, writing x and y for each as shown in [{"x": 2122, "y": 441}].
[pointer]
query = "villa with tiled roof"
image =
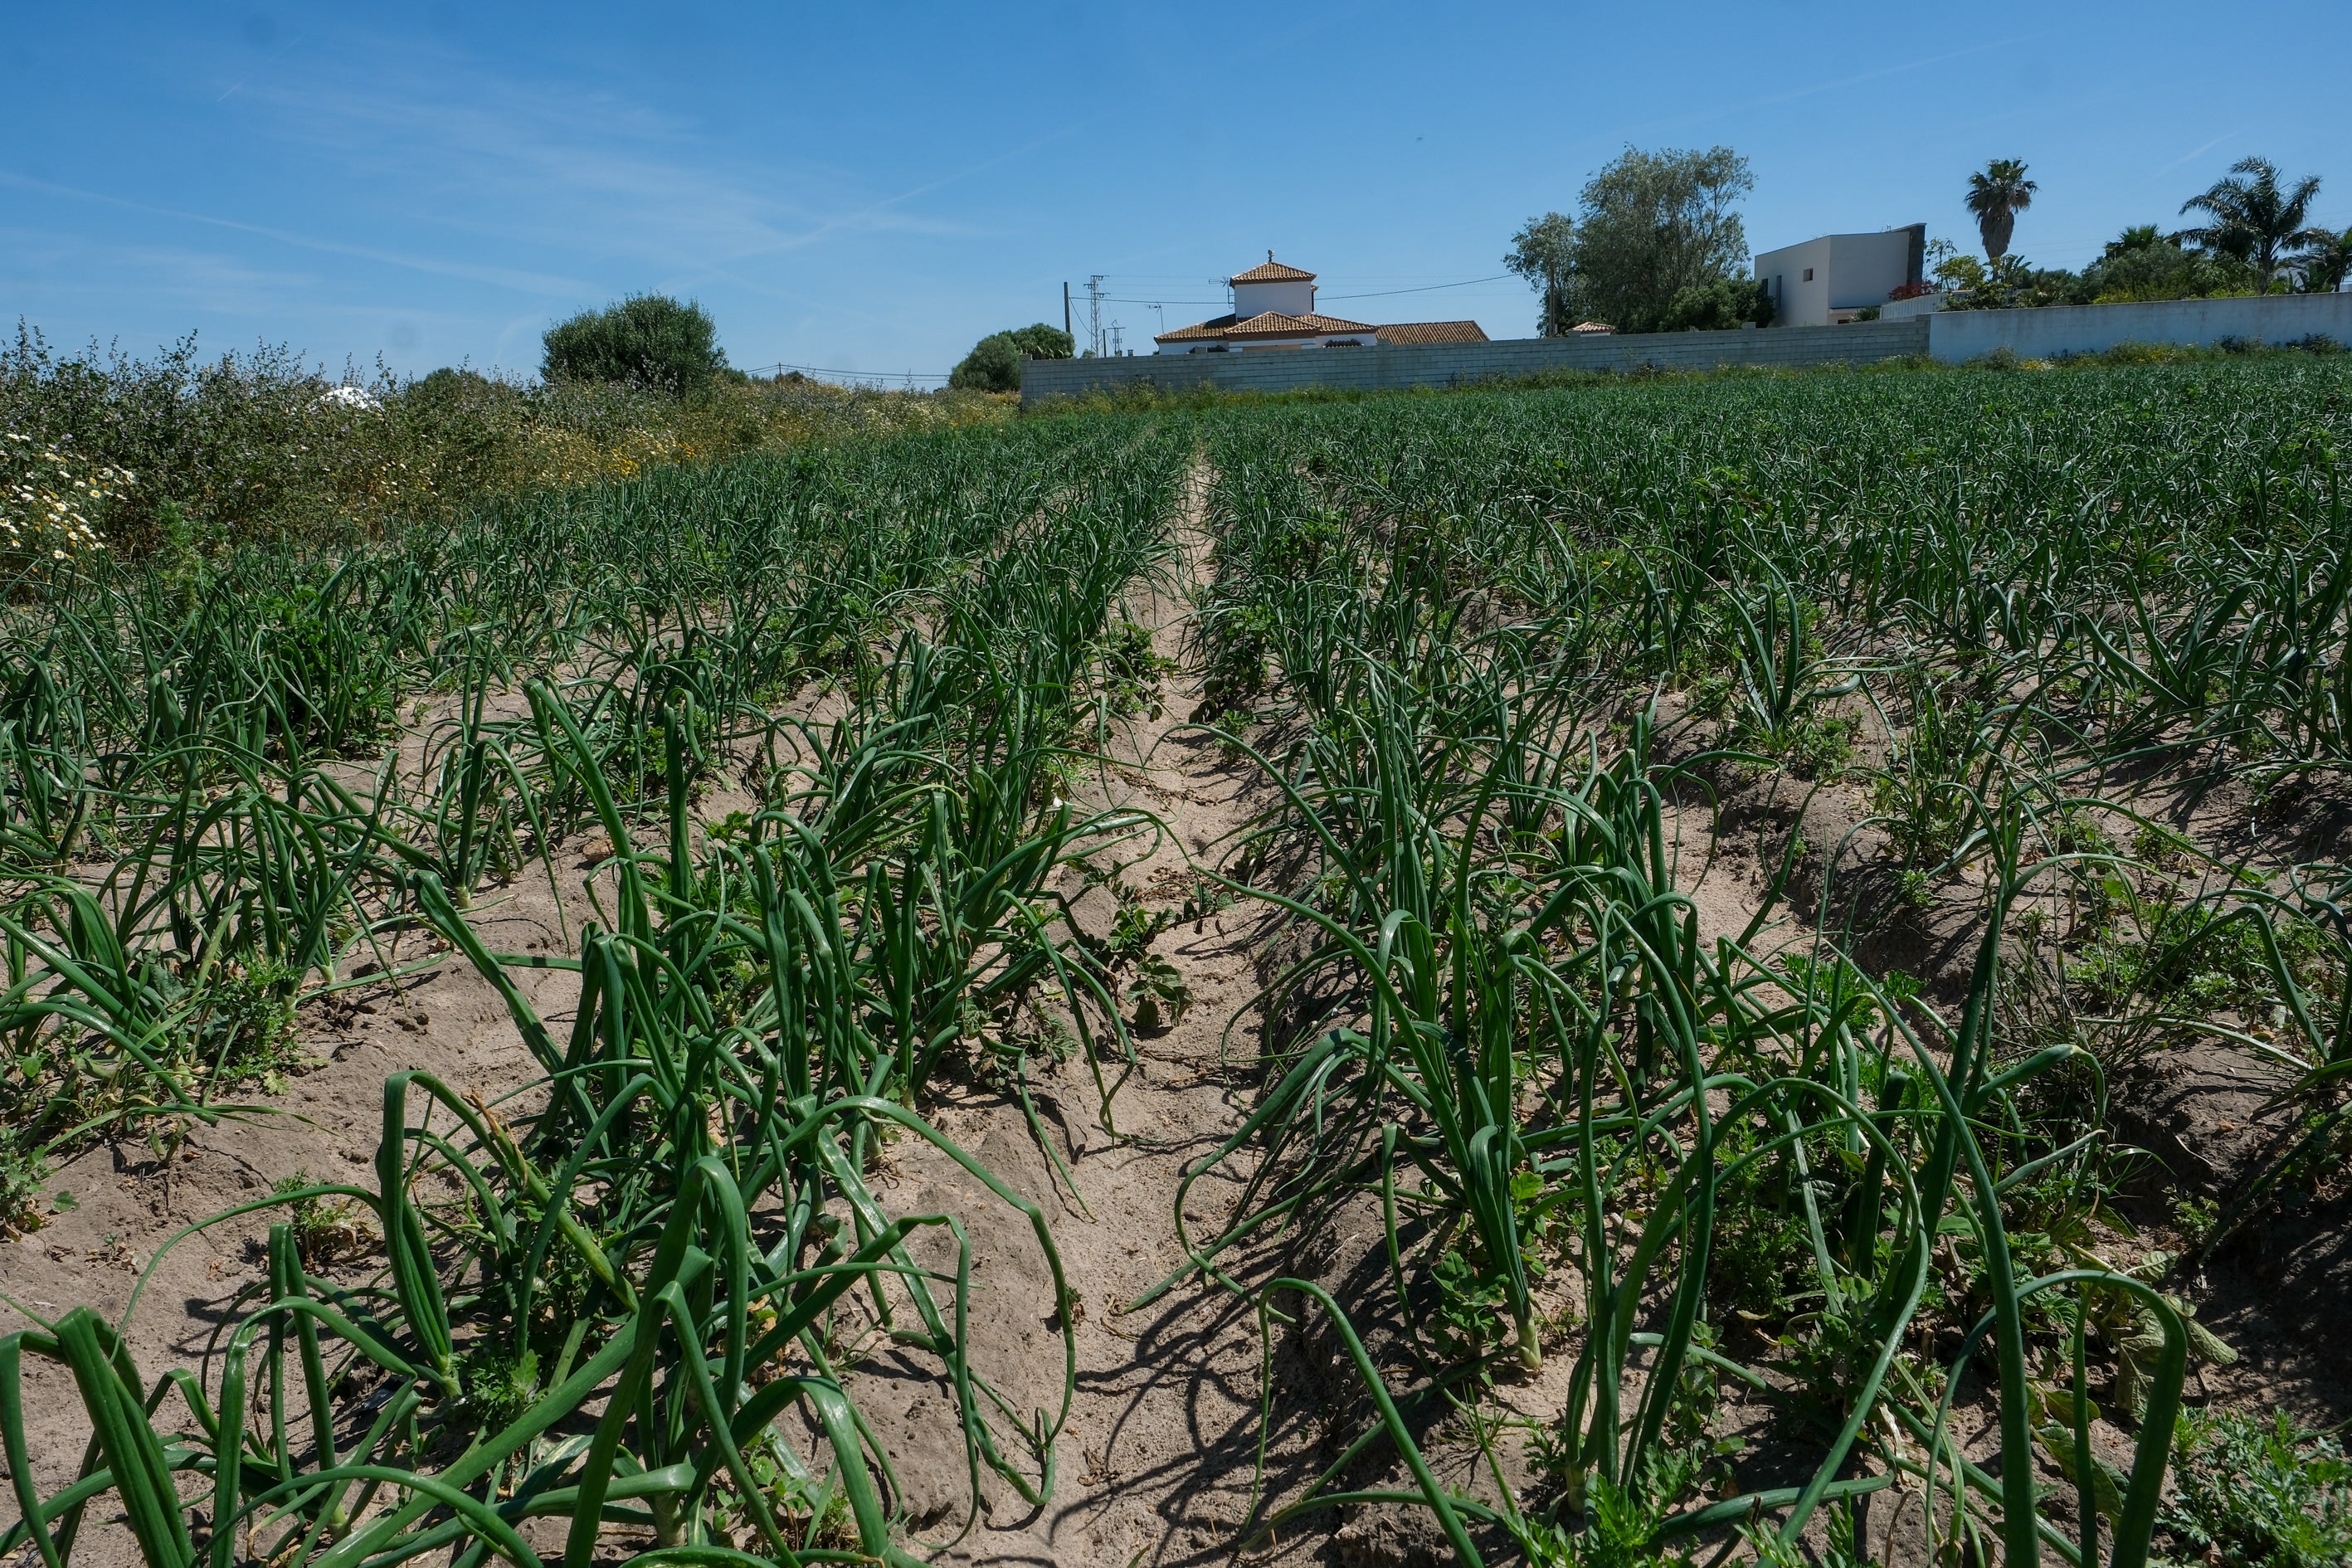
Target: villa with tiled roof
[{"x": 1274, "y": 308}]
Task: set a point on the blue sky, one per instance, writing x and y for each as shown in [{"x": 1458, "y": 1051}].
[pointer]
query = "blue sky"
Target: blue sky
[{"x": 870, "y": 187}]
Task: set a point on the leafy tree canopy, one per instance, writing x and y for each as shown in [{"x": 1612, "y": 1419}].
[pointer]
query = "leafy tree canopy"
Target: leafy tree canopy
[
  {"x": 1653, "y": 225},
  {"x": 2142, "y": 264},
  {"x": 995, "y": 363},
  {"x": 1712, "y": 307},
  {"x": 1544, "y": 253},
  {"x": 647, "y": 339}
]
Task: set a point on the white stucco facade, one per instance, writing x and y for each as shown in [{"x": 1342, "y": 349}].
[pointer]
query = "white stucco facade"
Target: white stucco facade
[
  {"x": 1826, "y": 280},
  {"x": 1288, "y": 297}
]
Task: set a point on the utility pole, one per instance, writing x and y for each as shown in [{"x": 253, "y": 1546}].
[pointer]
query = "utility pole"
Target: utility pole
[
  {"x": 1117, "y": 344},
  {"x": 1065, "y": 311},
  {"x": 1093, "y": 315}
]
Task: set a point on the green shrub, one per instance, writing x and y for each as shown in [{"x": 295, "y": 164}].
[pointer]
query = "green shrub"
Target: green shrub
[
  {"x": 260, "y": 445},
  {"x": 647, "y": 339},
  {"x": 995, "y": 363},
  {"x": 2009, "y": 284},
  {"x": 2144, "y": 266},
  {"x": 1715, "y": 306}
]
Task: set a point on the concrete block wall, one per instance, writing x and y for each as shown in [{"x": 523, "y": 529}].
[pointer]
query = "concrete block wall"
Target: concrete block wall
[
  {"x": 1956, "y": 337},
  {"x": 1394, "y": 366},
  {"x": 1951, "y": 336}
]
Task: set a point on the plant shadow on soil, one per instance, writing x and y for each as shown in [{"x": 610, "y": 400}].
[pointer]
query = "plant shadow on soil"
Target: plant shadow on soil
[{"x": 1159, "y": 1462}]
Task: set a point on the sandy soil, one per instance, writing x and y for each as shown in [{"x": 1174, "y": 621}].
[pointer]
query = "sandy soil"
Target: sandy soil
[{"x": 1158, "y": 1462}]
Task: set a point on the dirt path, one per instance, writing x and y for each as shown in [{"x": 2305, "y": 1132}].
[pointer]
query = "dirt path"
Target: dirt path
[{"x": 1158, "y": 1460}]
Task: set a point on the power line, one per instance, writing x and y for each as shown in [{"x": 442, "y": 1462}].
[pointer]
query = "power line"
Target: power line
[
  {"x": 1383, "y": 293},
  {"x": 857, "y": 375},
  {"x": 1373, "y": 294}
]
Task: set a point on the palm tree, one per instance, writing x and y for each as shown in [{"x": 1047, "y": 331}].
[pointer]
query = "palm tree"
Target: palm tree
[
  {"x": 2254, "y": 219},
  {"x": 2325, "y": 266},
  {"x": 1997, "y": 195}
]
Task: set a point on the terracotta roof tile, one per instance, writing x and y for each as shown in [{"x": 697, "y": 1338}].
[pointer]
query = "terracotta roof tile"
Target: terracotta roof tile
[
  {"x": 1214, "y": 327},
  {"x": 1273, "y": 271},
  {"x": 1434, "y": 333},
  {"x": 1274, "y": 323},
  {"x": 1266, "y": 324}
]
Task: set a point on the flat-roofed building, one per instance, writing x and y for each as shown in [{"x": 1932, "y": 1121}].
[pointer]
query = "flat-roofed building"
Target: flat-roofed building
[{"x": 1836, "y": 277}]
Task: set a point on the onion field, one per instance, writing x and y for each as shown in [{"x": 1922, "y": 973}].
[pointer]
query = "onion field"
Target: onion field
[{"x": 1796, "y": 1005}]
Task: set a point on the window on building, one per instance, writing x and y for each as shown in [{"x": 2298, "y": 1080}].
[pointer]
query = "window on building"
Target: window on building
[{"x": 1808, "y": 275}]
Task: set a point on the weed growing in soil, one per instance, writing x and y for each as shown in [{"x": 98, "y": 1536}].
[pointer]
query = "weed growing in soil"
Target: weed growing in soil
[
  {"x": 2257, "y": 1493},
  {"x": 611, "y": 1308},
  {"x": 1446, "y": 625},
  {"x": 1687, "y": 1145}
]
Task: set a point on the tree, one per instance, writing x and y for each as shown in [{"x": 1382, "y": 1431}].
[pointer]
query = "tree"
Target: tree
[
  {"x": 995, "y": 363},
  {"x": 1544, "y": 253},
  {"x": 2324, "y": 267},
  {"x": 1713, "y": 306},
  {"x": 2142, "y": 263},
  {"x": 1653, "y": 225},
  {"x": 1996, "y": 196},
  {"x": 647, "y": 340},
  {"x": 2254, "y": 219}
]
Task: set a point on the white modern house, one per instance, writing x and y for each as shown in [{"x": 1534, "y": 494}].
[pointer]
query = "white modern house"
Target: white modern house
[
  {"x": 1274, "y": 308},
  {"x": 1834, "y": 278}
]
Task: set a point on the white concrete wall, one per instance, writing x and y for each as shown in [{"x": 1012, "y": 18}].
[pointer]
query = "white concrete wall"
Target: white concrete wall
[
  {"x": 1328, "y": 339},
  {"x": 1952, "y": 336},
  {"x": 1386, "y": 366},
  {"x": 1799, "y": 300},
  {"x": 1865, "y": 268},
  {"x": 1956, "y": 337},
  {"x": 1918, "y": 305},
  {"x": 1850, "y": 271},
  {"x": 1292, "y": 299}
]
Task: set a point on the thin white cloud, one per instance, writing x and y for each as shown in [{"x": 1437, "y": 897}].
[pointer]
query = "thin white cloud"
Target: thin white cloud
[
  {"x": 1771, "y": 100},
  {"x": 502, "y": 276},
  {"x": 71, "y": 267},
  {"x": 2200, "y": 152},
  {"x": 594, "y": 174}
]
